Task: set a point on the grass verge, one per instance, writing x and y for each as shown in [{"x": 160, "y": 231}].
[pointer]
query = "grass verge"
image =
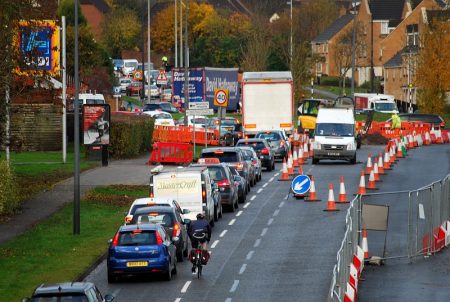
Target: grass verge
[{"x": 50, "y": 253}]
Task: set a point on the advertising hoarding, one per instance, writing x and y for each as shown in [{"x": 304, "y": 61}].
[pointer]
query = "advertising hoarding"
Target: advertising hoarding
[
  {"x": 196, "y": 86},
  {"x": 96, "y": 124}
]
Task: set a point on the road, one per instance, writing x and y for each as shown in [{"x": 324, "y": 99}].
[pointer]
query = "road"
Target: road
[{"x": 273, "y": 248}]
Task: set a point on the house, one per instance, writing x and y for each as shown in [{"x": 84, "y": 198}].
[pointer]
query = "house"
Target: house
[
  {"x": 94, "y": 12},
  {"x": 375, "y": 20},
  {"x": 399, "y": 70}
]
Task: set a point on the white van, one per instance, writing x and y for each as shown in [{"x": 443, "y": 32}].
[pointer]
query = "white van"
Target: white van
[
  {"x": 91, "y": 98},
  {"x": 129, "y": 66},
  {"x": 190, "y": 186},
  {"x": 335, "y": 135}
]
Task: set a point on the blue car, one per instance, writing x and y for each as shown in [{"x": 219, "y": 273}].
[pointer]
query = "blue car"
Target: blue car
[{"x": 140, "y": 250}]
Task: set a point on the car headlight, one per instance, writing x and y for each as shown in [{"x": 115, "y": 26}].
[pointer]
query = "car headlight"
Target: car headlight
[
  {"x": 316, "y": 145},
  {"x": 351, "y": 146}
]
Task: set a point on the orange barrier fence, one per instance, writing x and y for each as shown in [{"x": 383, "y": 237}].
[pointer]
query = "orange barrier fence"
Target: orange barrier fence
[
  {"x": 185, "y": 134},
  {"x": 384, "y": 128},
  {"x": 164, "y": 152}
]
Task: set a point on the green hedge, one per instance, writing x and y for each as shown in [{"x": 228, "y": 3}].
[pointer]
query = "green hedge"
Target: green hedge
[
  {"x": 9, "y": 195},
  {"x": 130, "y": 136}
]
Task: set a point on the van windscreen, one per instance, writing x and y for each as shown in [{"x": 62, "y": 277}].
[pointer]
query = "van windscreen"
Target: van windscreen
[{"x": 332, "y": 129}]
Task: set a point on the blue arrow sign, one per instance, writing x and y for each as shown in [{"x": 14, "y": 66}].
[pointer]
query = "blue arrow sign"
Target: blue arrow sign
[{"x": 301, "y": 184}]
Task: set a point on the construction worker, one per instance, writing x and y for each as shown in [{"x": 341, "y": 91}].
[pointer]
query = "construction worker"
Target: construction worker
[{"x": 396, "y": 123}]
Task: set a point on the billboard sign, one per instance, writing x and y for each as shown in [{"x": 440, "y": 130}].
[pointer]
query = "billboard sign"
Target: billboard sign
[
  {"x": 222, "y": 78},
  {"x": 39, "y": 47},
  {"x": 96, "y": 124},
  {"x": 196, "y": 86}
]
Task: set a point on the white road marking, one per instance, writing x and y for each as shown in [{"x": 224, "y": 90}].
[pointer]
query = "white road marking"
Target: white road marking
[
  {"x": 223, "y": 233},
  {"x": 253, "y": 197},
  {"x": 276, "y": 174},
  {"x": 232, "y": 221},
  {"x": 234, "y": 286},
  {"x": 259, "y": 190},
  {"x": 276, "y": 212},
  {"x": 270, "y": 221},
  {"x": 177, "y": 299},
  {"x": 228, "y": 300},
  {"x": 281, "y": 204},
  {"x": 286, "y": 197},
  {"x": 247, "y": 204},
  {"x": 264, "y": 231},
  {"x": 185, "y": 287},
  {"x": 116, "y": 292},
  {"x": 250, "y": 255},
  {"x": 242, "y": 270},
  {"x": 215, "y": 243},
  {"x": 265, "y": 185},
  {"x": 271, "y": 179},
  {"x": 238, "y": 213},
  {"x": 257, "y": 242}
]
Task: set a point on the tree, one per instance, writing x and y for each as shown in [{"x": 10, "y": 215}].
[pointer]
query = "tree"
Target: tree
[
  {"x": 257, "y": 51},
  {"x": 120, "y": 30},
  {"x": 434, "y": 82},
  {"x": 67, "y": 8}
]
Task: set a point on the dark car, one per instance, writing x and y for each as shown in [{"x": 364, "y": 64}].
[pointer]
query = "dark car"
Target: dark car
[
  {"x": 435, "y": 120},
  {"x": 70, "y": 292},
  {"x": 230, "y": 129},
  {"x": 231, "y": 156},
  {"x": 262, "y": 149},
  {"x": 134, "y": 88},
  {"x": 171, "y": 220},
  {"x": 241, "y": 184},
  {"x": 222, "y": 176},
  {"x": 141, "y": 250},
  {"x": 166, "y": 107},
  {"x": 254, "y": 160},
  {"x": 279, "y": 146},
  {"x": 248, "y": 156}
]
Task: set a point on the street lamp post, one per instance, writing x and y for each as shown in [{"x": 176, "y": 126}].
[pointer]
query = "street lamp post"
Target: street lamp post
[
  {"x": 175, "y": 26},
  {"x": 353, "y": 48},
  {"x": 186, "y": 66},
  {"x": 76, "y": 130},
  {"x": 291, "y": 39},
  {"x": 148, "y": 54}
]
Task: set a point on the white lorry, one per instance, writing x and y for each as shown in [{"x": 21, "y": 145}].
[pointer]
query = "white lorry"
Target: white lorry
[
  {"x": 267, "y": 101},
  {"x": 375, "y": 101}
]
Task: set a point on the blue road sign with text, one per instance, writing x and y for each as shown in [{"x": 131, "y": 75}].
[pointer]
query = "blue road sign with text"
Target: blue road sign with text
[{"x": 301, "y": 184}]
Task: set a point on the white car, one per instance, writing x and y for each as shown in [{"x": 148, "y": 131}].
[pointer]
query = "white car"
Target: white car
[
  {"x": 124, "y": 83},
  {"x": 200, "y": 121},
  {"x": 154, "y": 91},
  {"x": 161, "y": 118},
  {"x": 149, "y": 201}
]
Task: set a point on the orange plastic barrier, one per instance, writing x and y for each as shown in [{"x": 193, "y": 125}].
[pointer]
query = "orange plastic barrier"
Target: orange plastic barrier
[
  {"x": 184, "y": 134},
  {"x": 171, "y": 153}
]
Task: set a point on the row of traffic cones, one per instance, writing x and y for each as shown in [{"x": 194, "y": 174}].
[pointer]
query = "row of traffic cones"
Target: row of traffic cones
[{"x": 331, "y": 204}]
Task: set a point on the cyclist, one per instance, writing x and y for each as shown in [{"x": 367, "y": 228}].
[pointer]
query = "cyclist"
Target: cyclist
[{"x": 199, "y": 232}]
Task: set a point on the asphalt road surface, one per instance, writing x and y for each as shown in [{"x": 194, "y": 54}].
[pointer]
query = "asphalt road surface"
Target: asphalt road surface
[{"x": 274, "y": 248}]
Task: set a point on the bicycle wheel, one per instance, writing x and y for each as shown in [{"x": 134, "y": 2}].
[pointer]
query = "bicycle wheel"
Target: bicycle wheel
[{"x": 199, "y": 271}]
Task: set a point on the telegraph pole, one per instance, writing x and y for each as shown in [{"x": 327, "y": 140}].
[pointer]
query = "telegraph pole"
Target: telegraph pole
[
  {"x": 186, "y": 66},
  {"x": 175, "y": 26},
  {"x": 76, "y": 129},
  {"x": 353, "y": 49}
]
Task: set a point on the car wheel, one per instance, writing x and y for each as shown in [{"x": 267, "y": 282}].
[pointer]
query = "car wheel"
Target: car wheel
[
  {"x": 315, "y": 161},
  {"x": 168, "y": 274},
  {"x": 112, "y": 278},
  {"x": 221, "y": 211},
  {"x": 273, "y": 166},
  {"x": 241, "y": 198},
  {"x": 174, "y": 270},
  {"x": 232, "y": 208},
  {"x": 186, "y": 251},
  {"x": 236, "y": 204},
  {"x": 180, "y": 255},
  {"x": 211, "y": 223},
  {"x": 353, "y": 160}
]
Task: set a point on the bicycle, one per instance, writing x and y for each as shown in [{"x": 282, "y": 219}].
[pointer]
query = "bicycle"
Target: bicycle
[{"x": 199, "y": 258}]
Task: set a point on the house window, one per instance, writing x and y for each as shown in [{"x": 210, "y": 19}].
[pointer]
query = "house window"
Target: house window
[
  {"x": 319, "y": 67},
  {"x": 412, "y": 35},
  {"x": 384, "y": 27},
  {"x": 325, "y": 48}
]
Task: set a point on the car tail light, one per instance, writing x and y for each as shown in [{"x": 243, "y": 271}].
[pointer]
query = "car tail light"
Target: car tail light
[
  {"x": 254, "y": 162},
  {"x": 239, "y": 166},
  {"x": 115, "y": 241},
  {"x": 224, "y": 183},
  {"x": 176, "y": 230},
  {"x": 203, "y": 193},
  {"x": 158, "y": 238},
  {"x": 136, "y": 231},
  {"x": 265, "y": 151}
]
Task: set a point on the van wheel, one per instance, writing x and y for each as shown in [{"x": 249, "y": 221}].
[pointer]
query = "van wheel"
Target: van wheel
[
  {"x": 315, "y": 161},
  {"x": 221, "y": 211},
  {"x": 211, "y": 223},
  {"x": 353, "y": 160}
]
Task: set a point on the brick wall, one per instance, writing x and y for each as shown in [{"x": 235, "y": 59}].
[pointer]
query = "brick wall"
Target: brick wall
[{"x": 36, "y": 127}]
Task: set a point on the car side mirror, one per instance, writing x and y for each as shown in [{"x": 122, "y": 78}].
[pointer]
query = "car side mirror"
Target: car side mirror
[
  {"x": 109, "y": 241},
  {"x": 109, "y": 298},
  {"x": 187, "y": 221},
  {"x": 237, "y": 178},
  {"x": 186, "y": 211}
]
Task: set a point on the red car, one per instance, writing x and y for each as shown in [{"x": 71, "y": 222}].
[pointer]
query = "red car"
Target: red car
[{"x": 134, "y": 89}]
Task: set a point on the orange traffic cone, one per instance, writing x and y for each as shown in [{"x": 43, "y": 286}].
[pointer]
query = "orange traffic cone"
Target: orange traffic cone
[
  {"x": 399, "y": 153},
  {"x": 376, "y": 174},
  {"x": 362, "y": 184},
  {"x": 392, "y": 155},
  {"x": 284, "y": 172},
  {"x": 305, "y": 150},
  {"x": 301, "y": 160},
  {"x": 387, "y": 164},
  {"x": 312, "y": 196},
  {"x": 369, "y": 164},
  {"x": 365, "y": 245},
  {"x": 331, "y": 205},
  {"x": 342, "y": 194},
  {"x": 380, "y": 164},
  {"x": 371, "y": 184},
  {"x": 311, "y": 152},
  {"x": 300, "y": 170},
  {"x": 294, "y": 157},
  {"x": 289, "y": 165},
  {"x": 410, "y": 142}
]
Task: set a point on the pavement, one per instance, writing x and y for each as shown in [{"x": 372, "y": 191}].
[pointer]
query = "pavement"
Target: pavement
[{"x": 128, "y": 172}]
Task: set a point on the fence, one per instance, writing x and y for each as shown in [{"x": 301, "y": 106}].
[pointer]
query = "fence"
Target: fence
[
  {"x": 185, "y": 134},
  {"x": 420, "y": 226}
]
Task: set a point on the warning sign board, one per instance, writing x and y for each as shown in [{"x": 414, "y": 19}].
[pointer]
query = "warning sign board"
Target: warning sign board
[{"x": 161, "y": 79}]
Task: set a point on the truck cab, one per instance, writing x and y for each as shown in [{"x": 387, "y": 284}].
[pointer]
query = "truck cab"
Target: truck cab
[{"x": 376, "y": 102}]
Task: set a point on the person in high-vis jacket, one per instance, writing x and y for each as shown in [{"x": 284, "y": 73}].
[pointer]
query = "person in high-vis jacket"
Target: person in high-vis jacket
[{"x": 396, "y": 122}]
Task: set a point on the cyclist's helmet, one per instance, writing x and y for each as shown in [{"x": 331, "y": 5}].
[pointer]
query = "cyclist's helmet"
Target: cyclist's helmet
[{"x": 200, "y": 216}]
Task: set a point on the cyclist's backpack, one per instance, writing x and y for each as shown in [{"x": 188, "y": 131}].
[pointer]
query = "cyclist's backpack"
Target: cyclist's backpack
[
  {"x": 205, "y": 257},
  {"x": 192, "y": 256}
]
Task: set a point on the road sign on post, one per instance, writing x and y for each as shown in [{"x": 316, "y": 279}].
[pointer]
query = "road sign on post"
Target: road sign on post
[
  {"x": 221, "y": 97},
  {"x": 161, "y": 79},
  {"x": 199, "y": 105},
  {"x": 192, "y": 112},
  {"x": 301, "y": 184}
]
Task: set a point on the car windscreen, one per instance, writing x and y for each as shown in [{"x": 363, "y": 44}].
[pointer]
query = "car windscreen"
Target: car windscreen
[
  {"x": 137, "y": 237},
  {"x": 248, "y": 155},
  {"x": 150, "y": 107},
  {"x": 138, "y": 206},
  {"x": 332, "y": 129},
  {"x": 271, "y": 136},
  {"x": 199, "y": 120},
  {"x": 163, "y": 116},
  {"x": 217, "y": 173},
  {"x": 130, "y": 64},
  {"x": 164, "y": 218},
  {"x": 63, "y": 297},
  {"x": 255, "y": 145},
  {"x": 223, "y": 156},
  {"x": 385, "y": 106}
]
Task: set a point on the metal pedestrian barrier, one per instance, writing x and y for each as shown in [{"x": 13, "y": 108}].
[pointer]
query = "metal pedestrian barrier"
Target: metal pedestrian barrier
[{"x": 421, "y": 228}]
